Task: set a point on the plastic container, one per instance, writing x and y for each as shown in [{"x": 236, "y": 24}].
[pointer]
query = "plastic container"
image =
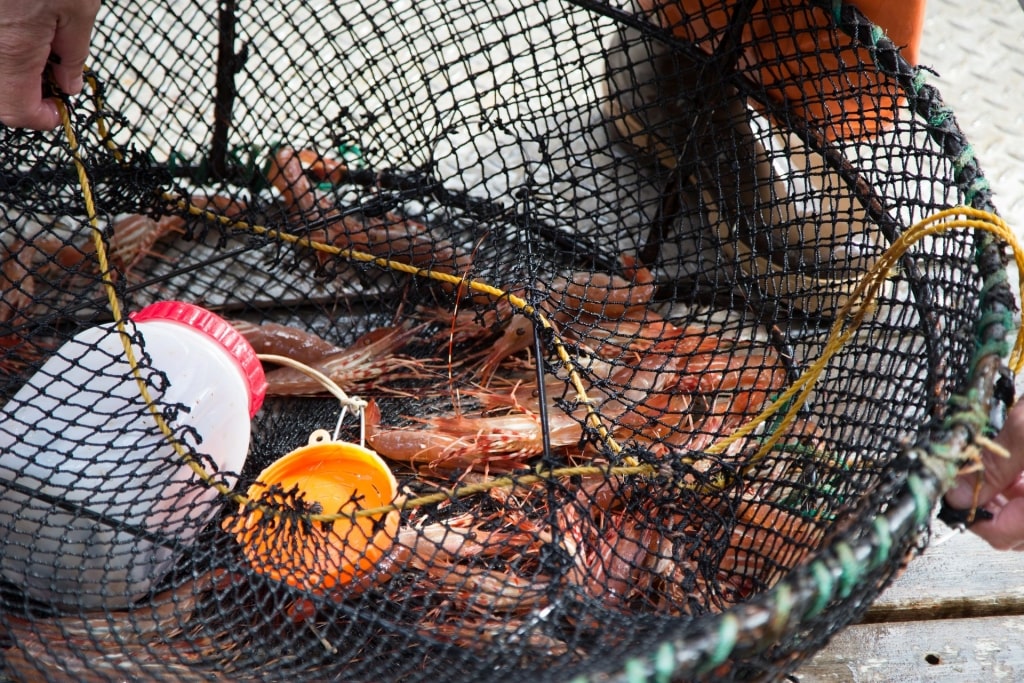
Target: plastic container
[
  {"x": 325, "y": 477},
  {"x": 95, "y": 503}
]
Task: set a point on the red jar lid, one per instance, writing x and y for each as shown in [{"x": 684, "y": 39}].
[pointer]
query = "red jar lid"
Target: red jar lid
[{"x": 220, "y": 331}]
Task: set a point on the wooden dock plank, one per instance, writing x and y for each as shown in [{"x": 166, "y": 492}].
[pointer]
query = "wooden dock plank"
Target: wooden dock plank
[
  {"x": 959, "y": 575},
  {"x": 956, "y": 614},
  {"x": 979, "y": 649}
]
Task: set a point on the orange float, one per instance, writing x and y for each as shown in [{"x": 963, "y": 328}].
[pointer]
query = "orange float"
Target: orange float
[
  {"x": 325, "y": 477},
  {"x": 793, "y": 50}
]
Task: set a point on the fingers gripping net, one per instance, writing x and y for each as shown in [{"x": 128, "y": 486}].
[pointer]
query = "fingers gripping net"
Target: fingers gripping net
[{"x": 627, "y": 287}]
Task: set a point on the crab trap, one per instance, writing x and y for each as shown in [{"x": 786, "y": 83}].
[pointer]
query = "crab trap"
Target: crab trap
[{"x": 599, "y": 340}]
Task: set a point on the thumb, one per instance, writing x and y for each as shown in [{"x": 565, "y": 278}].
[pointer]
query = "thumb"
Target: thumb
[
  {"x": 999, "y": 472},
  {"x": 71, "y": 45}
]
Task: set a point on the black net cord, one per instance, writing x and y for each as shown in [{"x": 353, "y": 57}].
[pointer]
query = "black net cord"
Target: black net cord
[{"x": 229, "y": 63}]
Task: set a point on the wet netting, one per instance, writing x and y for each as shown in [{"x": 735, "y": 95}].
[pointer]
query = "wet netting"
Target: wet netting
[{"x": 645, "y": 337}]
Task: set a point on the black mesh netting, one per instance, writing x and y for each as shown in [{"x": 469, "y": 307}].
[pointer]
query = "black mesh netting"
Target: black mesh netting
[{"x": 672, "y": 205}]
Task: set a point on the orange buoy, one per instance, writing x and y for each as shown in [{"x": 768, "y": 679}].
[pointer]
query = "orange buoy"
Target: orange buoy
[{"x": 792, "y": 49}]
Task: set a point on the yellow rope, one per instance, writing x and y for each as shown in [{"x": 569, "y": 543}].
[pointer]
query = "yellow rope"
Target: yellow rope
[
  {"x": 506, "y": 482},
  {"x": 861, "y": 302},
  {"x": 115, "y": 309},
  {"x": 101, "y": 121}
]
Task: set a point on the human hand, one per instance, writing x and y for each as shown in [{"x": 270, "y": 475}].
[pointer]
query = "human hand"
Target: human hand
[
  {"x": 1002, "y": 487},
  {"x": 30, "y": 32}
]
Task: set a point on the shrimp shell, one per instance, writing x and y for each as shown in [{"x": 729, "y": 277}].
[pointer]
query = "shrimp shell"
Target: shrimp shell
[
  {"x": 134, "y": 237},
  {"x": 606, "y": 295},
  {"x": 370, "y": 359},
  {"x": 500, "y": 443},
  {"x": 389, "y": 236},
  {"x": 283, "y": 340}
]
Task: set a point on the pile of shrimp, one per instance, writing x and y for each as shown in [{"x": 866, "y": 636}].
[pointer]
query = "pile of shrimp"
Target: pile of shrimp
[
  {"x": 610, "y": 544},
  {"x": 658, "y": 386},
  {"x": 665, "y": 390},
  {"x": 544, "y": 564},
  {"x": 540, "y": 562}
]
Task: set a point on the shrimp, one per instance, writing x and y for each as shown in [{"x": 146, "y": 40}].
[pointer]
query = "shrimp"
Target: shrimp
[
  {"x": 468, "y": 325},
  {"x": 17, "y": 282},
  {"x": 501, "y": 443},
  {"x": 134, "y": 237},
  {"x": 625, "y": 541},
  {"x": 617, "y": 338},
  {"x": 608, "y": 558},
  {"x": 683, "y": 401},
  {"x": 483, "y": 566},
  {"x": 462, "y": 537},
  {"x": 388, "y": 236},
  {"x": 604, "y": 314},
  {"x": 678, "y": 394},
  {"x": 605, "y": 295},
  {"x": 758, "y": 546},
  {"x": 517, "y": 336},
  {"x": 440, "y": 551},
  {"x": 579, "y": 302},
  {"x": 768, "y": 540},
  {"x": 487, "y": 591},
  {"x": 26, "y": 265},
  {"x": 283, "y": 340},
  {"x": 372, "y": 358},
  {"x": 119, "y": 645},
  {"x": 483, "y": 632},
  {"x": 734, "y": 389}
]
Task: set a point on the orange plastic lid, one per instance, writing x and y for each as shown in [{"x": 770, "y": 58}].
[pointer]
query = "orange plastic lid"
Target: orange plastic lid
[{"x": 322, "y": 478}]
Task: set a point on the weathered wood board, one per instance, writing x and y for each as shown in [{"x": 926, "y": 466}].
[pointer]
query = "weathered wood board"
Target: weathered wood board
[
  {"x": 956, "y": 614},
  {"x": 979, "y": 649},
  {"x": 957, "y": 576}
]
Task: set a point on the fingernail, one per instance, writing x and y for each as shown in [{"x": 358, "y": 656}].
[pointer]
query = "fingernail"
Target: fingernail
[
  {"x": 51, "y": 108},
  {"x": 75, "y": 86}
]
